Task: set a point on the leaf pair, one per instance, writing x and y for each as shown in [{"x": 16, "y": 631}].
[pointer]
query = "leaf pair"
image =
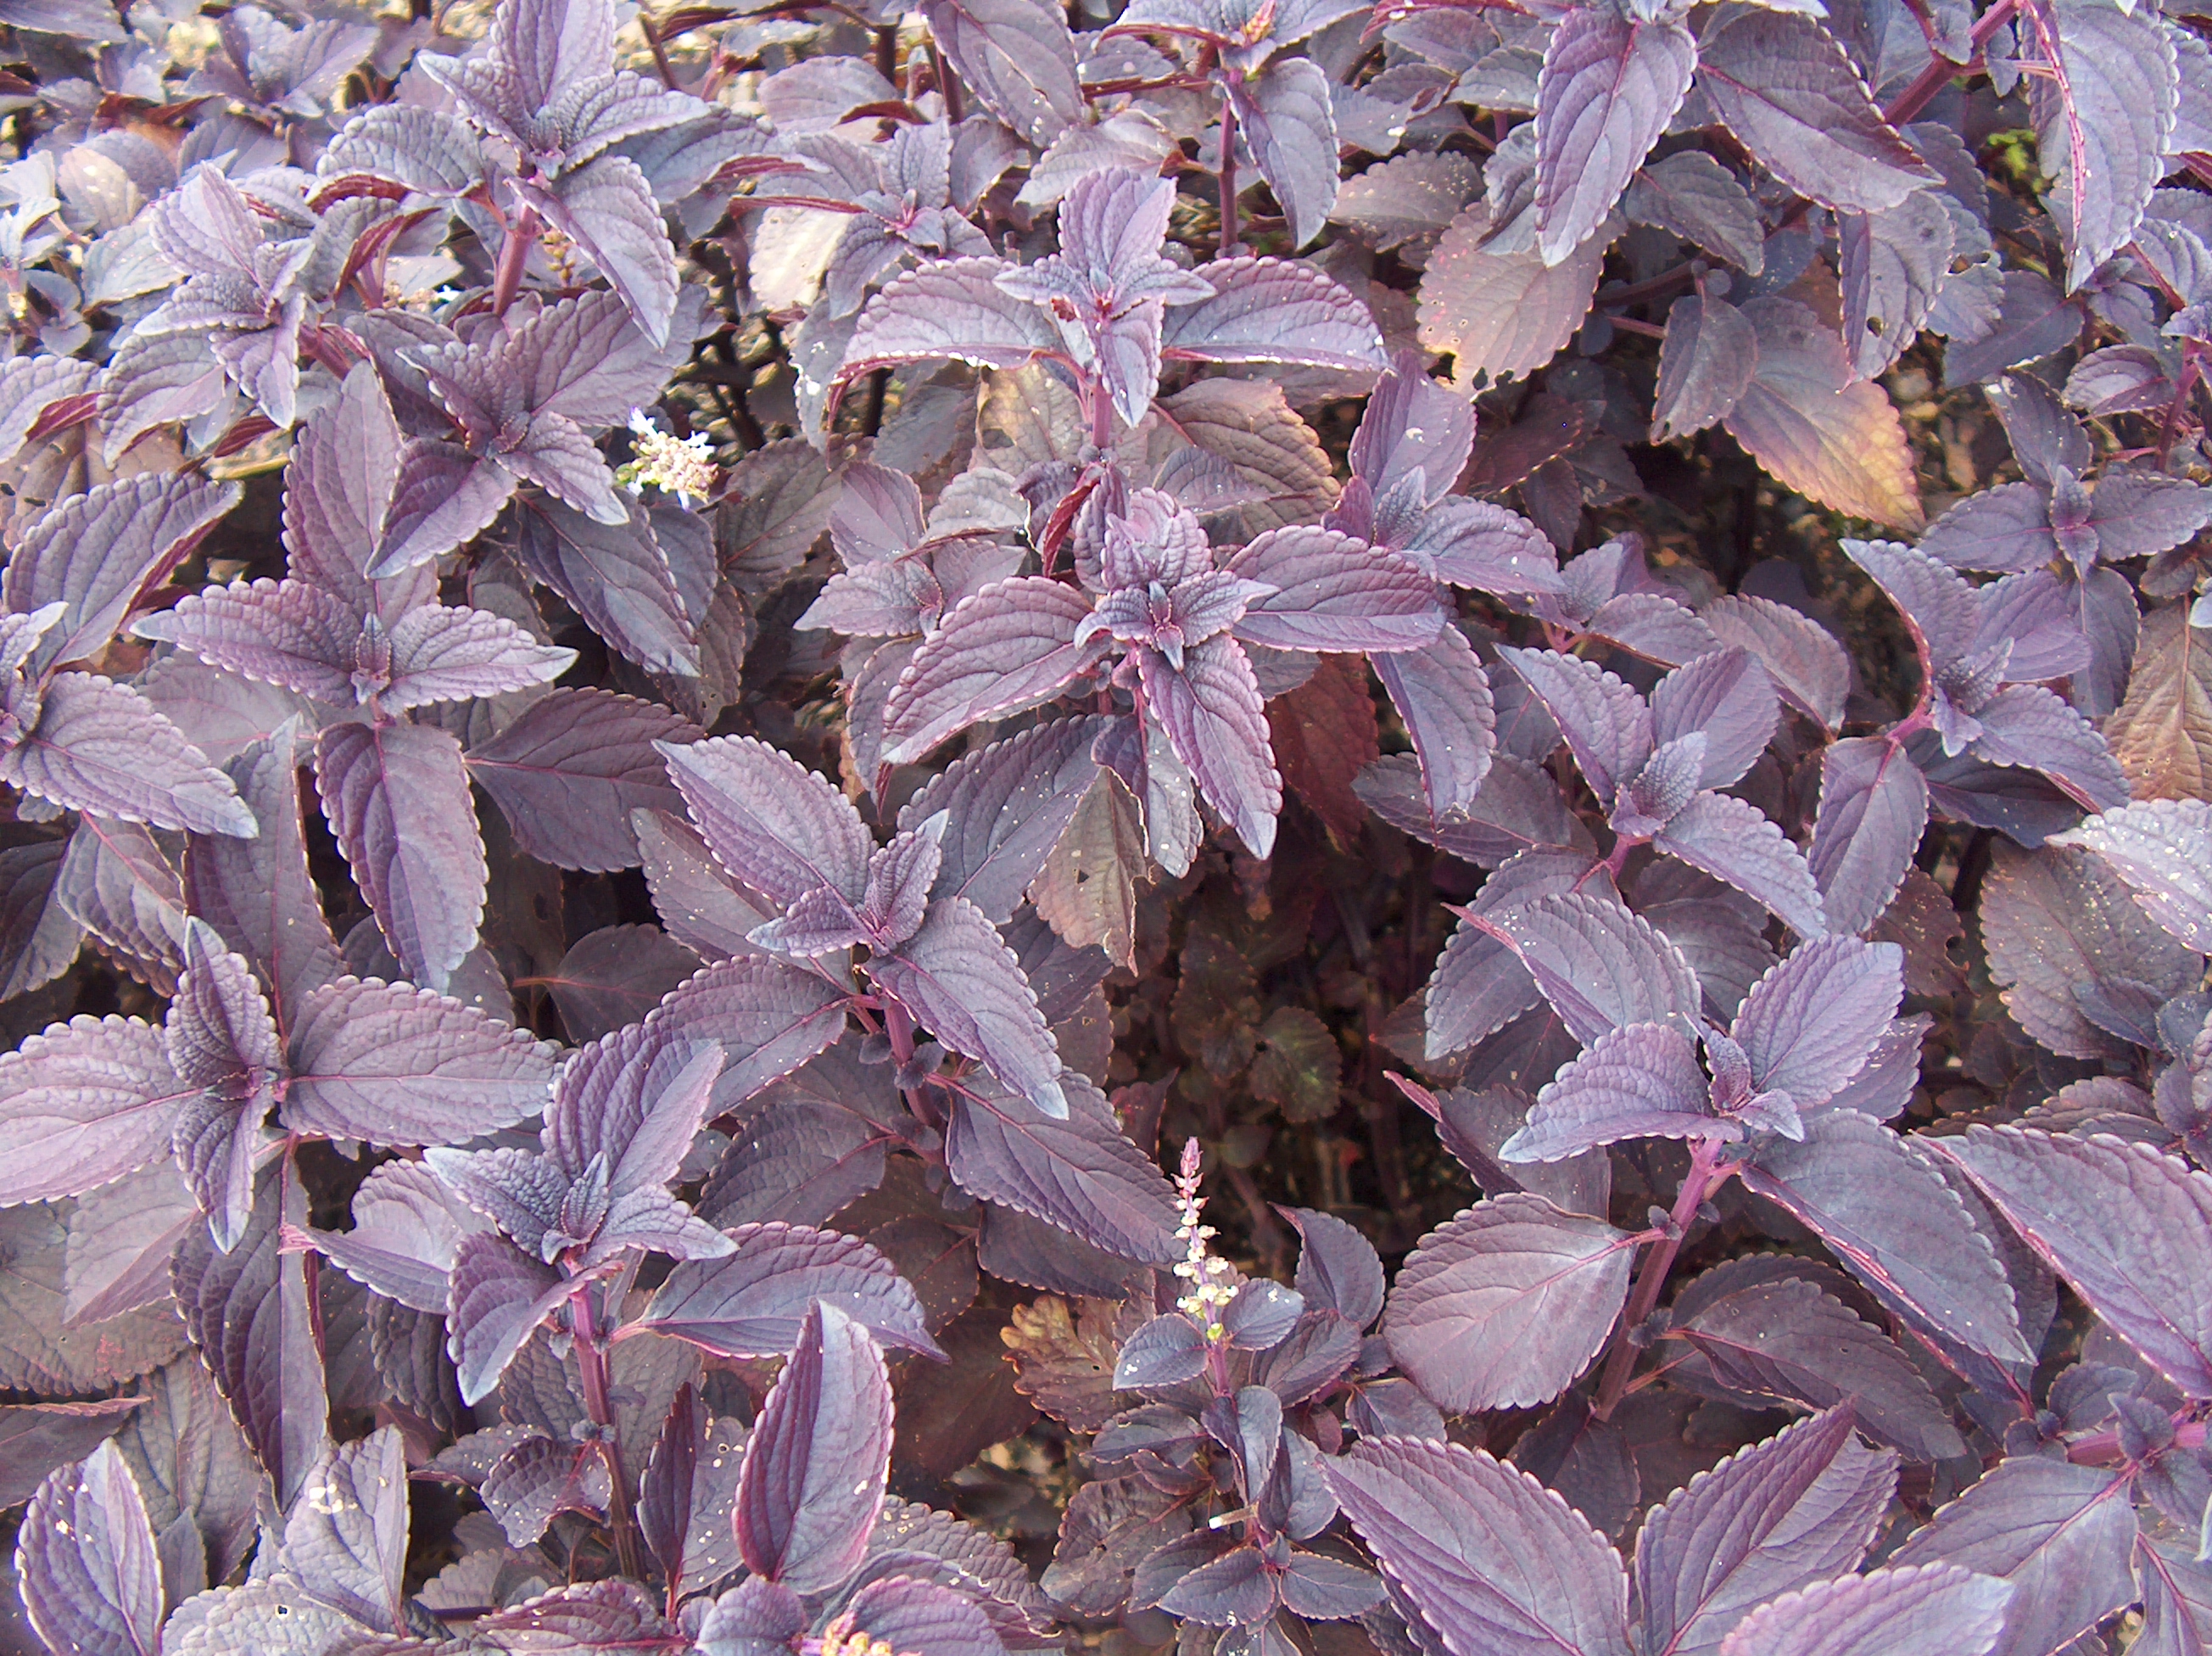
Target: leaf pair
[
  {"x": 787, "y": 834},
  {"x": 1657, "y": 766},
  {"x": 1178, "y": 625},
  {"x": 1752, "y": 1559},
  {"x": 623, "y": 1113},
  {"x": 1805, "y": 1031},
  {"x": 386, "y": 1063},
  {"x": 79, "y": 740},
  {"x": 1112, "y": 307}
]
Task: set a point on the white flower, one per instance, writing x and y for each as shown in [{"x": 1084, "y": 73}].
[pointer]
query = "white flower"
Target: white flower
[{"x": 681, "y": 465}]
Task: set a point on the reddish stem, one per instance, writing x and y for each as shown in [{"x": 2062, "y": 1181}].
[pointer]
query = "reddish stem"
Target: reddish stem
[
  {"x": 1705, "y": 1176},
  {"x": 513, "y": 254},
  {"x": 592, "y": 1367},
  {"x": 1228, "y": 249}
]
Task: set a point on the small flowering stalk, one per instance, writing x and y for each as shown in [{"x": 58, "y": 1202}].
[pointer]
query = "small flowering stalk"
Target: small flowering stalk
[
  {"x": 678, "y": 466},
  {"x": 1210, "y": 1278}
]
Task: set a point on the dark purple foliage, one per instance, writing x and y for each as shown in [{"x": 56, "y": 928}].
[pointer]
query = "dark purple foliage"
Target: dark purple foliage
[{"x": 1253, "y": 828}]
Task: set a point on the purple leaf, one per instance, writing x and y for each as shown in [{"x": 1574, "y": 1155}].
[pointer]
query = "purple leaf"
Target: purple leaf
[
  {"x": 752, "y": 1303},
  {"x": 85, "y": 1103},
  {"x": 286, "y": 633},
  {"x": 596, "y": 1615},
  {"x": 2162, "y": 849},
  {"x": 499, "y": 1295},
  {"x": 1338, "y": 1268},
  {"x": 2177, "y": 1593},
  {"x": 1726, "y": 698},
  {"x": 85, "y": 1555},
  {"x": 392, "y": 1064},
  {"x": 1808, "y": 1027},
  {"x": 1599, "y": 966},
  {"x": 1807, "y": 666},
  {"x": 338, "y": 486},
  {"x": 2090, "y": 1208},
  {"x": 1819, "y": 430},
  {"x": 958, "y": 979},
  {"x": 1443, "y": 696},
  {"x": 813, "y": 1476},
  {"x": 569, "y": 772},
  {"x": 1008, "y": 804},
  {"x": 1411, "y": 423},
  {"x": 397, "y": 797},
  {"x": 1496, "y": 1564},
  {"x": 408, "y": 1227},
  {"x": 1081, "y": 1174},
  {"x": 635, "y": 1099},
  {"x": 1502, "y": 313},
  {"x": 1011, "y": 646},
  {"x": 1332, "y": 593},
  {"x": 1610, "y": 85},
  {"x": 444, "y": 498},
  {"x": 689, "y": 1489},
  {"x": 700, "y": 905},
  {"x": 1286, "y": 120},
  {"x": 1952, "y": 1609},
  {"x": 1269, "y": 310},
  {"x": 1799, "y": 1507},
  {"x": 1894, "y": 263},
  {"x": 1783, "y": 86},
  {"x": 2108, "y": 112},
  {"x": 349, "y": 1538},
  {"x": 1017, "y": 57},
  {"x": 2061, "y": 1535},
  {"x": 2059, "y": 929},
  {"x": 247, "y": 1310},
  {"x": 608, "y": 210},
  {"x": 773, "y": 823},
  {"x": 2005, "y": 529},
  {"x": 1886, "y": 1213},
  {"x": 97, "y": 551},
  {"x": 1873, "y": 810},
  {"x": 2026, "y": 725},
  {"x": 1639, "y": 1081},
  {"x": 101, "y": 748},
  {"x": 757, "y": 1617},
  {"x": 1506, "y": 1304},
  {"x": 1790, "y": 1339},
  {"x": 617, "y": 577},
  {"x": 1732, "y": 841},
  {"x": 1605, "y": 722},
  {"x": 538, "y": 1479},
  {"x": 446, "y": 653},
  {"x": 1706, "y": 362},
  {"x": 39, "y": 938},
  {"x": 30, "y": 387},
  {"x": 1211, "y": 713},
  {"x": 768, "y": 1018},
  {"x": 257, "y": 893},
  {"x": 906, "y": 1614},
  {"x": 40, "y": 1437},
  {"x": 1692, "y": 194},
  {"x": 951, "y": 310}
]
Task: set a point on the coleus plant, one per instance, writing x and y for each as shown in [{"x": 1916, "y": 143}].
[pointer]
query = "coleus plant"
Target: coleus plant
[{"x": 540, "y": 351}]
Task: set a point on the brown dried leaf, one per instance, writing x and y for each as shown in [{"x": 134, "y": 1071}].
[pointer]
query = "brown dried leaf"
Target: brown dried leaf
[
  {"x": 1833, "y": 439},
  {"x": 1298, "y": 1069},
  {"x": 2162, "y": 733},
  {"x": 1064, "y": 1359},
  {"x": 1324, "y": 735},
  {"x": 1087, "y": 889},
  {"x": 1216, "y": 1010}
]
